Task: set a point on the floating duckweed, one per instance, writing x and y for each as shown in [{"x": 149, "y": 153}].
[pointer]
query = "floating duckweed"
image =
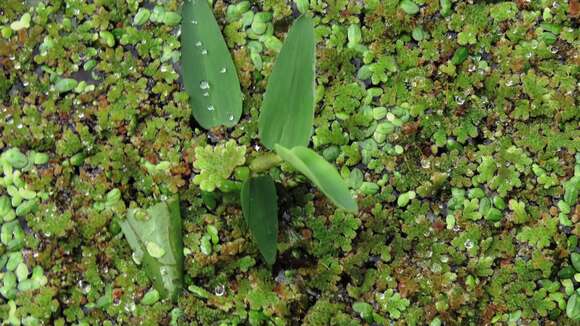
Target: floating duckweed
[
  {"x": 409, "y": 7},
  {"x": 22, "y": 23},
  {"x": 470, "y": 104},
  {"x": 15, "y": 158},
  {"x": 40, "y": 158},
  {"x": 141, "y": 17},
  {"x": 64, "y": 85},
  {"x": 151, "y": 297}
]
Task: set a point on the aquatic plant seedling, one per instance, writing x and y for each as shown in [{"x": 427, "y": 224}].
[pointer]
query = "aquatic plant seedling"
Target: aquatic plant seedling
[
  {"x": 285, "y": 125},
  {"x": 286, "y": 117}
]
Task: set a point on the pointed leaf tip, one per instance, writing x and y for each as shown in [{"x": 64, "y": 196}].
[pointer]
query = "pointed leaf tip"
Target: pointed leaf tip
[
  {"x": 287, "y": 112},
  {"x": 260, "y": 208},
  {"x": 321, "y": 173}
]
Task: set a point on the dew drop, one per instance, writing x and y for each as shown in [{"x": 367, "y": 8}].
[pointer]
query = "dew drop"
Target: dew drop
[
  {"x": 198, "y": 43},
  {"x": 460, "y": 100},
  {"x": 211, "y": 108},
  {"x": 137, "y": 258},
  {"x": 203, "y": 52},
  {"x": 231, "y": 117},
  {"x": 194, "y": 22},
  {"x": 206, "y": 94},
  {"x": 223, "y": 70},
  {"x": 468, "y": 244},
  {"x": 204, "y": 84},
  {"x": 220, "y": 290}
]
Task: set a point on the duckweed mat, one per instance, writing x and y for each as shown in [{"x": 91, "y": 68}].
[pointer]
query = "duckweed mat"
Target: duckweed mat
[{"x": 454, "y": 123}]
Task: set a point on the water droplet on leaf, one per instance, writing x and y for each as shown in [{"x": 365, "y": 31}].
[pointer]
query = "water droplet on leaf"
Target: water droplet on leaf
[
  {"x": 204, "y": 84},
  {"x": 155, "y": 250},
  {"x": 468, "y": 244}
]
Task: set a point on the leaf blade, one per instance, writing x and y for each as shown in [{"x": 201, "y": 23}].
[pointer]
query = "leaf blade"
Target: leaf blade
[
  {"x": 287, "y": 112},
  {"x": 321, "y": 173},
  {"x": 260, "y": 208},
  {"x": 209, "y": 74},
  {"x": 163, "y": 228}
]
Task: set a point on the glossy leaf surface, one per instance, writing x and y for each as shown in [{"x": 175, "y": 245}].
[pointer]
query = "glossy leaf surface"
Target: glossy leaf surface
[
  {"x": 260, "y": 208},
  {"x": 321, "y": 173},
  {"x": 287, "y": 111},
  {"x": 155, "y": 235},
  {"x": 209, "y": 74}
]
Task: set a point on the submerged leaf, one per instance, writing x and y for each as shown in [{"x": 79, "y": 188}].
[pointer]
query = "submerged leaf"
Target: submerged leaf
[
  {"x": 321, "y": 173},
  {"x": 156, "y": 238},
  {"x": 287, "y": 112},
  {"x": 209, "y": 74},
  {"x": 260, "y": 207}
]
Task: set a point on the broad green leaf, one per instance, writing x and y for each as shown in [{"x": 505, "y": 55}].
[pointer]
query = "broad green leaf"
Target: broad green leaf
[
  {"x": 156, "y": 239},
  {"x": 287, "y": 112},
  {"x": 260, "y": 208},
  {"x": 209, "y": 74},
  {"x": 321, "y": 173}
]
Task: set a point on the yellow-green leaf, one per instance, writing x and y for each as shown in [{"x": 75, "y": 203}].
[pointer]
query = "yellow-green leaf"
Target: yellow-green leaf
[
  {"x": 260, "y": 208},
  {"x": 321, "y": 173},
  {"x": 156, "y": 239},
  {"x": 287, "y": 112},
  {"x": 209, "y": 74}
]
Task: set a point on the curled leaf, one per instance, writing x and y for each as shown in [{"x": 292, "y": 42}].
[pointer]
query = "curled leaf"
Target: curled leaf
[{"x": 321, "y": 173}]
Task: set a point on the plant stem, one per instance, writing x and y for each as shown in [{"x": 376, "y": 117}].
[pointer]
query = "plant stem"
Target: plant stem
[{"x": 264, "y": 162}]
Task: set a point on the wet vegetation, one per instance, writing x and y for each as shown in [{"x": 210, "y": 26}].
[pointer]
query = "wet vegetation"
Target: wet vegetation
[{"x": 454, "y": 125}]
